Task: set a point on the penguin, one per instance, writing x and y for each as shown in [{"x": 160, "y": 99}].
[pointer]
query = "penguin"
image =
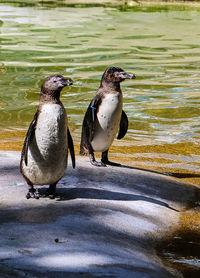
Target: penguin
[
  {"x": 44, "y": 155},
  {"x": 104, "y": 117}
]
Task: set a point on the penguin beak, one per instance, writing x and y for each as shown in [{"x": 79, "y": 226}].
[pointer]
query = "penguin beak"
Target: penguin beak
[
  {"x": 66, "y": 82},
  {"x": 122, "y": 75},
  {"x": 125, "y": 75}
]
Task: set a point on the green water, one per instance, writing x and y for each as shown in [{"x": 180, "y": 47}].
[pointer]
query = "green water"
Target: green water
[{"x": 161, "y": 45}]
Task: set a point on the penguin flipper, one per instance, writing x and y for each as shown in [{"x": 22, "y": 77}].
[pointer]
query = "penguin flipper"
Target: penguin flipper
[
  {"x": 71, "y": 147},
  {"x": 29, "y": 137},
  {"x": 92, "y": 111},
  {"x": 123, "y": 127},
  {"x": 89, "y": 124}
]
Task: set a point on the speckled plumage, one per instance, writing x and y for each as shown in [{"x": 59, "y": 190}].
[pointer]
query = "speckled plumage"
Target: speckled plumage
[
  {"x": 107, "y": 123},
  {"x": 47, "y": 151}
]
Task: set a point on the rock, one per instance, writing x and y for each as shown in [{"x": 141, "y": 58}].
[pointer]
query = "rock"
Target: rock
[{"x": 108, "y": 220}]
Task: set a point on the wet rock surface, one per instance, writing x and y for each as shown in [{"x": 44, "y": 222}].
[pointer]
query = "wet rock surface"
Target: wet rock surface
[{"x": 105, "y": 223}]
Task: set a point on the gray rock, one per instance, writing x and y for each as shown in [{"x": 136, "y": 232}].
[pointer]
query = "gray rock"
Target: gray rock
[{"x": 105, "y": 224}]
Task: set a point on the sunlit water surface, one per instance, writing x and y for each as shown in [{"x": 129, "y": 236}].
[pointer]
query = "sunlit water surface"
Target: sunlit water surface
[{"x": 160, "y": 45}]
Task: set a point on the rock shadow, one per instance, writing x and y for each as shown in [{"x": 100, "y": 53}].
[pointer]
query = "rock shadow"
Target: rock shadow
[{"x": 100, "y": 194}]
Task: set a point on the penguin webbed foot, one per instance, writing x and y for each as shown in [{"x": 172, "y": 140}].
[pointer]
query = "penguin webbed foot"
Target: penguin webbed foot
[
  {"x": 32, "y": 193},
  {"x": 51, "y": 192},
  {"x": 108, "y": 162},
  {"x": 104, "y": 160},
  {"x": 96, "y": 163},
  {"x": 50, "y": 195}
]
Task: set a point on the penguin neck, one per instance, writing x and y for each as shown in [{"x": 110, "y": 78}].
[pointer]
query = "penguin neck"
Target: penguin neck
[
  {"x": 50, "y": 96},
  {"x": 110, "y": 86}
]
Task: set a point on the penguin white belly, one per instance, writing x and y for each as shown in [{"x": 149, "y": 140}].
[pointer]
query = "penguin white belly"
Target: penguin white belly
[
  {"x": 107, "y": 123},
  {"x": 47, "y": 152}
]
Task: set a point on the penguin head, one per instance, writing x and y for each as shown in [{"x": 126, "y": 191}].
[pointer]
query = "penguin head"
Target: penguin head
[
  {"x": 52, "y": 87},
  {"x": 55, "y": 83},
  {"x": 116, "y": 75}
]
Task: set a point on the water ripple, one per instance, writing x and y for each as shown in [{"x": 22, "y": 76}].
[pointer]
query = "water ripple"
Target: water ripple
[{"x": 162, "y": 49}]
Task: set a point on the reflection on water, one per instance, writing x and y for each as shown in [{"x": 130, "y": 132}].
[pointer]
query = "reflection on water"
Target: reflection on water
[{"x": 160, "y": 45}]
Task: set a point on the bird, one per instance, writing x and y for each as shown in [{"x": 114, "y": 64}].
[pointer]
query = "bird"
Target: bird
[
  {"x": 44, "y": 155},
  {"x": 104, "y": 117}
]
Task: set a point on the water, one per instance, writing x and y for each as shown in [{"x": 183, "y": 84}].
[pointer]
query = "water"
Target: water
[
  {"x": 182, "y": 250},
  {"x": 160, "y": 44}
]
